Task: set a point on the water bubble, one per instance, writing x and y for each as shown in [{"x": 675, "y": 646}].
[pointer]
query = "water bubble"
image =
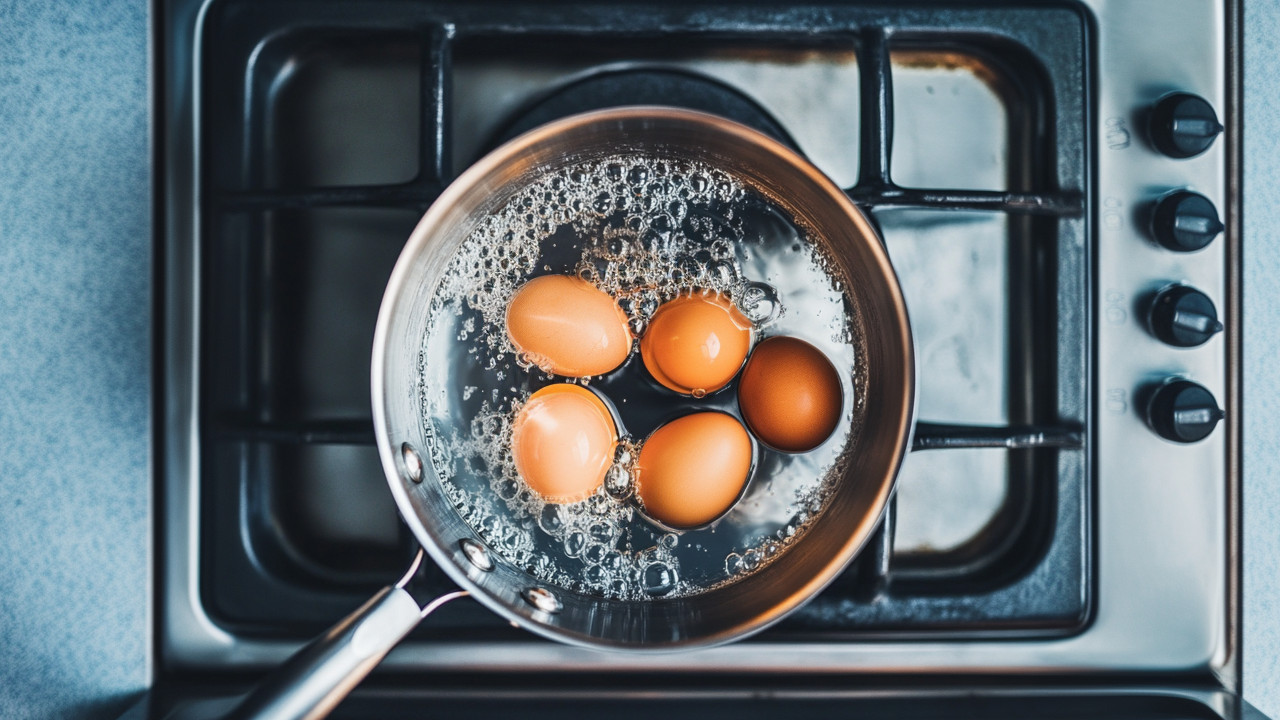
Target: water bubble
[
  {"x": 594, "y": 554},
  {"x": 733, "y": 564},
  {"x": 598, "y": 505},
  {"x": 617, "y": 483},
  {"x": 550, "y": 520},
  {"x": 634, "y": 573},
  {"x": 723, "y": 274},
  {"x": 659, "y": 579},
  {"x": 574, "y": 544},
  {"x": 760, "y": 303},
  {"x": 507, "y": 489},
  {"x": 698, "y": 393},
  {"x": 602, "y": 532},
  {"x": 670, "y": 540},
  {"x": 676, "y": 209},
  {"x": 622, "y": 451}
]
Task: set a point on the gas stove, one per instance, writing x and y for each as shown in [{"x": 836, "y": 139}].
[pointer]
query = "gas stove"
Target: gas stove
[{"x": 1050, "y": 184}]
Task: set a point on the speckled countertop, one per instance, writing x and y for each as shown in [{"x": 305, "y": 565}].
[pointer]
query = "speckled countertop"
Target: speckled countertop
[{"x": 75, "y": 283}]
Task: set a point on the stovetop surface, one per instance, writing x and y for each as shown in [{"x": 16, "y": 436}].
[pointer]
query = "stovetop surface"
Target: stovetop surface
[
  {"x": 347, "y": 128},
  {"x": 279, "y": 434}
]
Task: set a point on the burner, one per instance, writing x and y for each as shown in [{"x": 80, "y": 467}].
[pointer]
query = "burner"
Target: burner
[{"x": 644, "y": 87}]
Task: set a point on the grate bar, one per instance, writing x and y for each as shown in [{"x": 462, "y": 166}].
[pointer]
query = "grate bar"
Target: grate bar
[
  {"x": 411, "y": 195},
  {"x": 307, "y": 432},
  {"x": 876, "y": 110},
  {"x": 436, "y": 76},
  {"x": 937, "y": 436},
  {"x": 1057, "y": 204}
]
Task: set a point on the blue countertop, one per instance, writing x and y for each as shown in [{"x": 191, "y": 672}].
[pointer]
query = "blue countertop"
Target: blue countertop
[
  {"x": 1261, "y": 388},
  {"x": 75, "y": 283}
]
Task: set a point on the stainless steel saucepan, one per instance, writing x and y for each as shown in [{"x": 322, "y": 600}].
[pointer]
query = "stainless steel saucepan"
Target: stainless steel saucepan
[{"x": 315, "y": 680}]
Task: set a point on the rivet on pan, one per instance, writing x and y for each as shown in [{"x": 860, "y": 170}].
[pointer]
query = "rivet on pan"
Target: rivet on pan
[
  {"x": 477, "y": 554},
  {"x": 543, "y": 599},
  {"x": 412, "y": 462}
]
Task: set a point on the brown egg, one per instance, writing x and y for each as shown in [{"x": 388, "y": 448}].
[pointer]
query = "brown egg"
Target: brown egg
[
  {"x": 562, "y": 442},
  {"x": 790, "y": 394},
  {"x": 696, "y": 343},
  {"x": 692, "y": 470},
  {"x": 568, "y": 326}
]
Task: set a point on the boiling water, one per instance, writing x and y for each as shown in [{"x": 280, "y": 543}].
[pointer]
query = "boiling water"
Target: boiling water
[{"x": 643, "y": 230}]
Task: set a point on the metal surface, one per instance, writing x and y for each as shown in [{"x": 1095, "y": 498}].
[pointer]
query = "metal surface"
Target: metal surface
[
  {"x": 1192, "y": 595},
  {"x": 1164, "y": 578},
  {"x": 636, "y": 701}
]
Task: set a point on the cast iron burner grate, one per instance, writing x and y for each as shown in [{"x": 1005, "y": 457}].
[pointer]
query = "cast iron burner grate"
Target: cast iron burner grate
[{"x": 283, "y": 246}]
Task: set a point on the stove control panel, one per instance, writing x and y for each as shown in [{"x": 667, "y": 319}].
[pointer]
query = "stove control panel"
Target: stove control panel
[{"x": 1165, "y": 303}]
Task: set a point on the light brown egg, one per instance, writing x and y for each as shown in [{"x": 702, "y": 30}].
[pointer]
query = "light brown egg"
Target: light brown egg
[
  {"x": 790, "y": 394},
  {"x": 562, "y": 442},
  {"x": 693, "y": 469},
  {"x": 568, "y": 326},
  {"x": 696, "y": 343}
]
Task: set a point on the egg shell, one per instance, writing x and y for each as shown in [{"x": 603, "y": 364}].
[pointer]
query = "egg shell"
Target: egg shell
[
  {"x": 693, "y": 469},
  {"x": 568, "y": 326},
  {"x": 790, "y": 394},
  {"x": 563, "y": 441},
  {"x": 696, "y": 343}
]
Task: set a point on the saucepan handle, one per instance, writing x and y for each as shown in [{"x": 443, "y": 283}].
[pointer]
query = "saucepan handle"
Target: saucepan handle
[{"x": 312, "y": 682}]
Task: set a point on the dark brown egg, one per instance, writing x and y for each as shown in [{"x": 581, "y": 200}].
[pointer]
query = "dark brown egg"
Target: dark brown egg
[{"x": 790, "y": 394}]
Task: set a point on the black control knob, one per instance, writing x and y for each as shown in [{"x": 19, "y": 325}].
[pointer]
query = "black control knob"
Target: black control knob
[
  {"x": 1183, "y": 316},
  {"x": 1183, "y": 125},
  {"x": 1185, "y": 221},
  {"x": 1183, "y": 411}
]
